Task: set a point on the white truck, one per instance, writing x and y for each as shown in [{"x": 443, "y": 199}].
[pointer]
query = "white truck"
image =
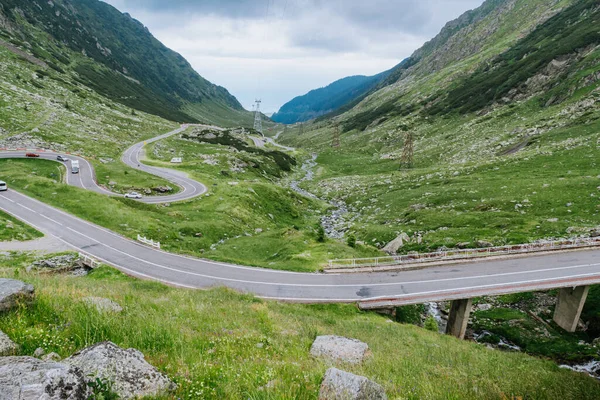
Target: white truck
[{"x": 75, "y": 167}]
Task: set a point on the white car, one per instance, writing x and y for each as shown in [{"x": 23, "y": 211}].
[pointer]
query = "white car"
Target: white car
[
  {"x": 133, "y": 195},
  {"x": 3, "y": 187}
]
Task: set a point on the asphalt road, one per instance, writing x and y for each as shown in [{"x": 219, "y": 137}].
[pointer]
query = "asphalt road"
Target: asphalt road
[
  {"x": 86, "y": 178},
  {"x": 371, "y": 289}
]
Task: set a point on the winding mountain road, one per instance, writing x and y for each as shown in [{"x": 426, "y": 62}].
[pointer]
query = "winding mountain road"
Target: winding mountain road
[
  {"x": 86, "y": 178},
  {"x": 410, "y": 287}
]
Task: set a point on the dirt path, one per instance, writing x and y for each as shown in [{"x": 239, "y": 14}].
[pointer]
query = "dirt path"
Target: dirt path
[{"x": 47, "y": 244}]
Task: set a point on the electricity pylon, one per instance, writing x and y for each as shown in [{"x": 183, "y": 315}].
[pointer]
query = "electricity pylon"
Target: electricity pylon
[
  {"x": 335, "y": 143},
  {"x": 258, "y": 117},
  {"x": 407, "y": 159}
]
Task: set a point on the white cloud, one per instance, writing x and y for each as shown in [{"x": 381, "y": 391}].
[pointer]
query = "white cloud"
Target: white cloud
[{"x": 298, "y": 46}]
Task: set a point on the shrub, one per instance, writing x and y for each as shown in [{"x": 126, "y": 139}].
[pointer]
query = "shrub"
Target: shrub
[
  {"x": 320, "y": 234},
  {"x": 351, "y": 240},
  {"x": 410, "y": 314},
  {"x": 431, "y": 324}
]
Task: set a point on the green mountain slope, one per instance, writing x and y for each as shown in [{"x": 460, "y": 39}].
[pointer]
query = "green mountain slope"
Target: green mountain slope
[
  {"x": 115, "y": 55},
  {"x": 325, "y": 100},
  {"x": 552, "y": 52},
  {"x": 505, "y": 118}
]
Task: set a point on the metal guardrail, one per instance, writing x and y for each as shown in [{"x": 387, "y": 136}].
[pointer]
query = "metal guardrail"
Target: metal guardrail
[
  {"x": 147, "y": 241},
  {"x": 89, "y": 261},
  {"x": 461, "y": 254}
]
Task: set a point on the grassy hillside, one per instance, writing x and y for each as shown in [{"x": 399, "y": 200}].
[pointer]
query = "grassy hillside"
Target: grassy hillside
[
  {"x": 13, "y": 229},
  {"x": 116, "y": 56},
  {"x": 218, "y": 344},
  {"x": 521, "y": 169},
  {"x": 46, "y": 108}
]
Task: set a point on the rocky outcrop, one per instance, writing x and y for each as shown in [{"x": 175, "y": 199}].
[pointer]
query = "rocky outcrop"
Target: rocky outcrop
[
  {"x": 68, "y": 262},
  {"x": 337, "y": 348},
  {"x": 341, "y": 385},
  {"x": 7, "y": 346},
  {"x": 13, "y": 291},
  {"x": 27, "y": 378},
  {"x": 103, "y": 305},
  {"x": 392, "y": 247},
  {"x": 129, "y": 374}
]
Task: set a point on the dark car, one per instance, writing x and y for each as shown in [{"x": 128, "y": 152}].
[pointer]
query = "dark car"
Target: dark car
[
  {"x": 61, "y": 158},
  {"x": 32, "y": 155}
]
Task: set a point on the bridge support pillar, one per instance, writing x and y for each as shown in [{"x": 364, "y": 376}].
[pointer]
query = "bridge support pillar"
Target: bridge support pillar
[
  {"x": 568, "y": 307},
  {"x": 459, "y": 317}
]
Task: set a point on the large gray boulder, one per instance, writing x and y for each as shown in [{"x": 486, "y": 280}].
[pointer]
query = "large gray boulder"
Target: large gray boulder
[
  {"x": 337, "y": 348},
  {"x": 12, "y": 291},
  {"x": 392, "y": 247},
  {"x": 341, "y": 385},
  {"x": 7, "y": 346},
  {"x": 27, "y": 378},
  {"x": 129, "y": 375}
]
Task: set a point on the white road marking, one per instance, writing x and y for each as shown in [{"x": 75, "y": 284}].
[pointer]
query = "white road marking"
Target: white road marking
[
  {"x": 27, "y": 208},
  {"x": 50, "y": 219}
]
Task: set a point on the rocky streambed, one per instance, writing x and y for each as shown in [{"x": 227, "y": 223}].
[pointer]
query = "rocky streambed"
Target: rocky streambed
[{"x": 337, "y": 220}]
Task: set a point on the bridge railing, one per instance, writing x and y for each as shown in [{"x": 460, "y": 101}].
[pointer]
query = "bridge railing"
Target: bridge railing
[
  {"x": 461, "y": 254},
  {"x": 148, "y": 242},
  {"x": 89, "y": 261}
]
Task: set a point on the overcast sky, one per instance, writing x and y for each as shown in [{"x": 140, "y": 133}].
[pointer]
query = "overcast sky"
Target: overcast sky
[{"x": 279, "y": 49}]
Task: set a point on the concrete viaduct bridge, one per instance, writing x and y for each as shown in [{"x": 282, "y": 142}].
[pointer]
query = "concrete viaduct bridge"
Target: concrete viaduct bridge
[{"x": 572, "y": 271}]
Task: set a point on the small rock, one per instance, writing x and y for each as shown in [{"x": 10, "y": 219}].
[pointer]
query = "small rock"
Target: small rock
[
  {"x": 463, "y": 245},
  {"x": 39, "y": 352},
  {"x": 26, "y": 378},
  {"x": 13, "y": 291},
  {"x": 483, "y": 243},
  {"x": 337, "y": 348},
  {"x": 552, "y": 220},
  {"x": 484, "y": 307},
  {"x": 7, "y": 346},
  {"x": 258, "y": 230},
  {"x": 131, "y": 376},
  {"x": 103, "y": 305},
  {"x": 342, "y": 385}
]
